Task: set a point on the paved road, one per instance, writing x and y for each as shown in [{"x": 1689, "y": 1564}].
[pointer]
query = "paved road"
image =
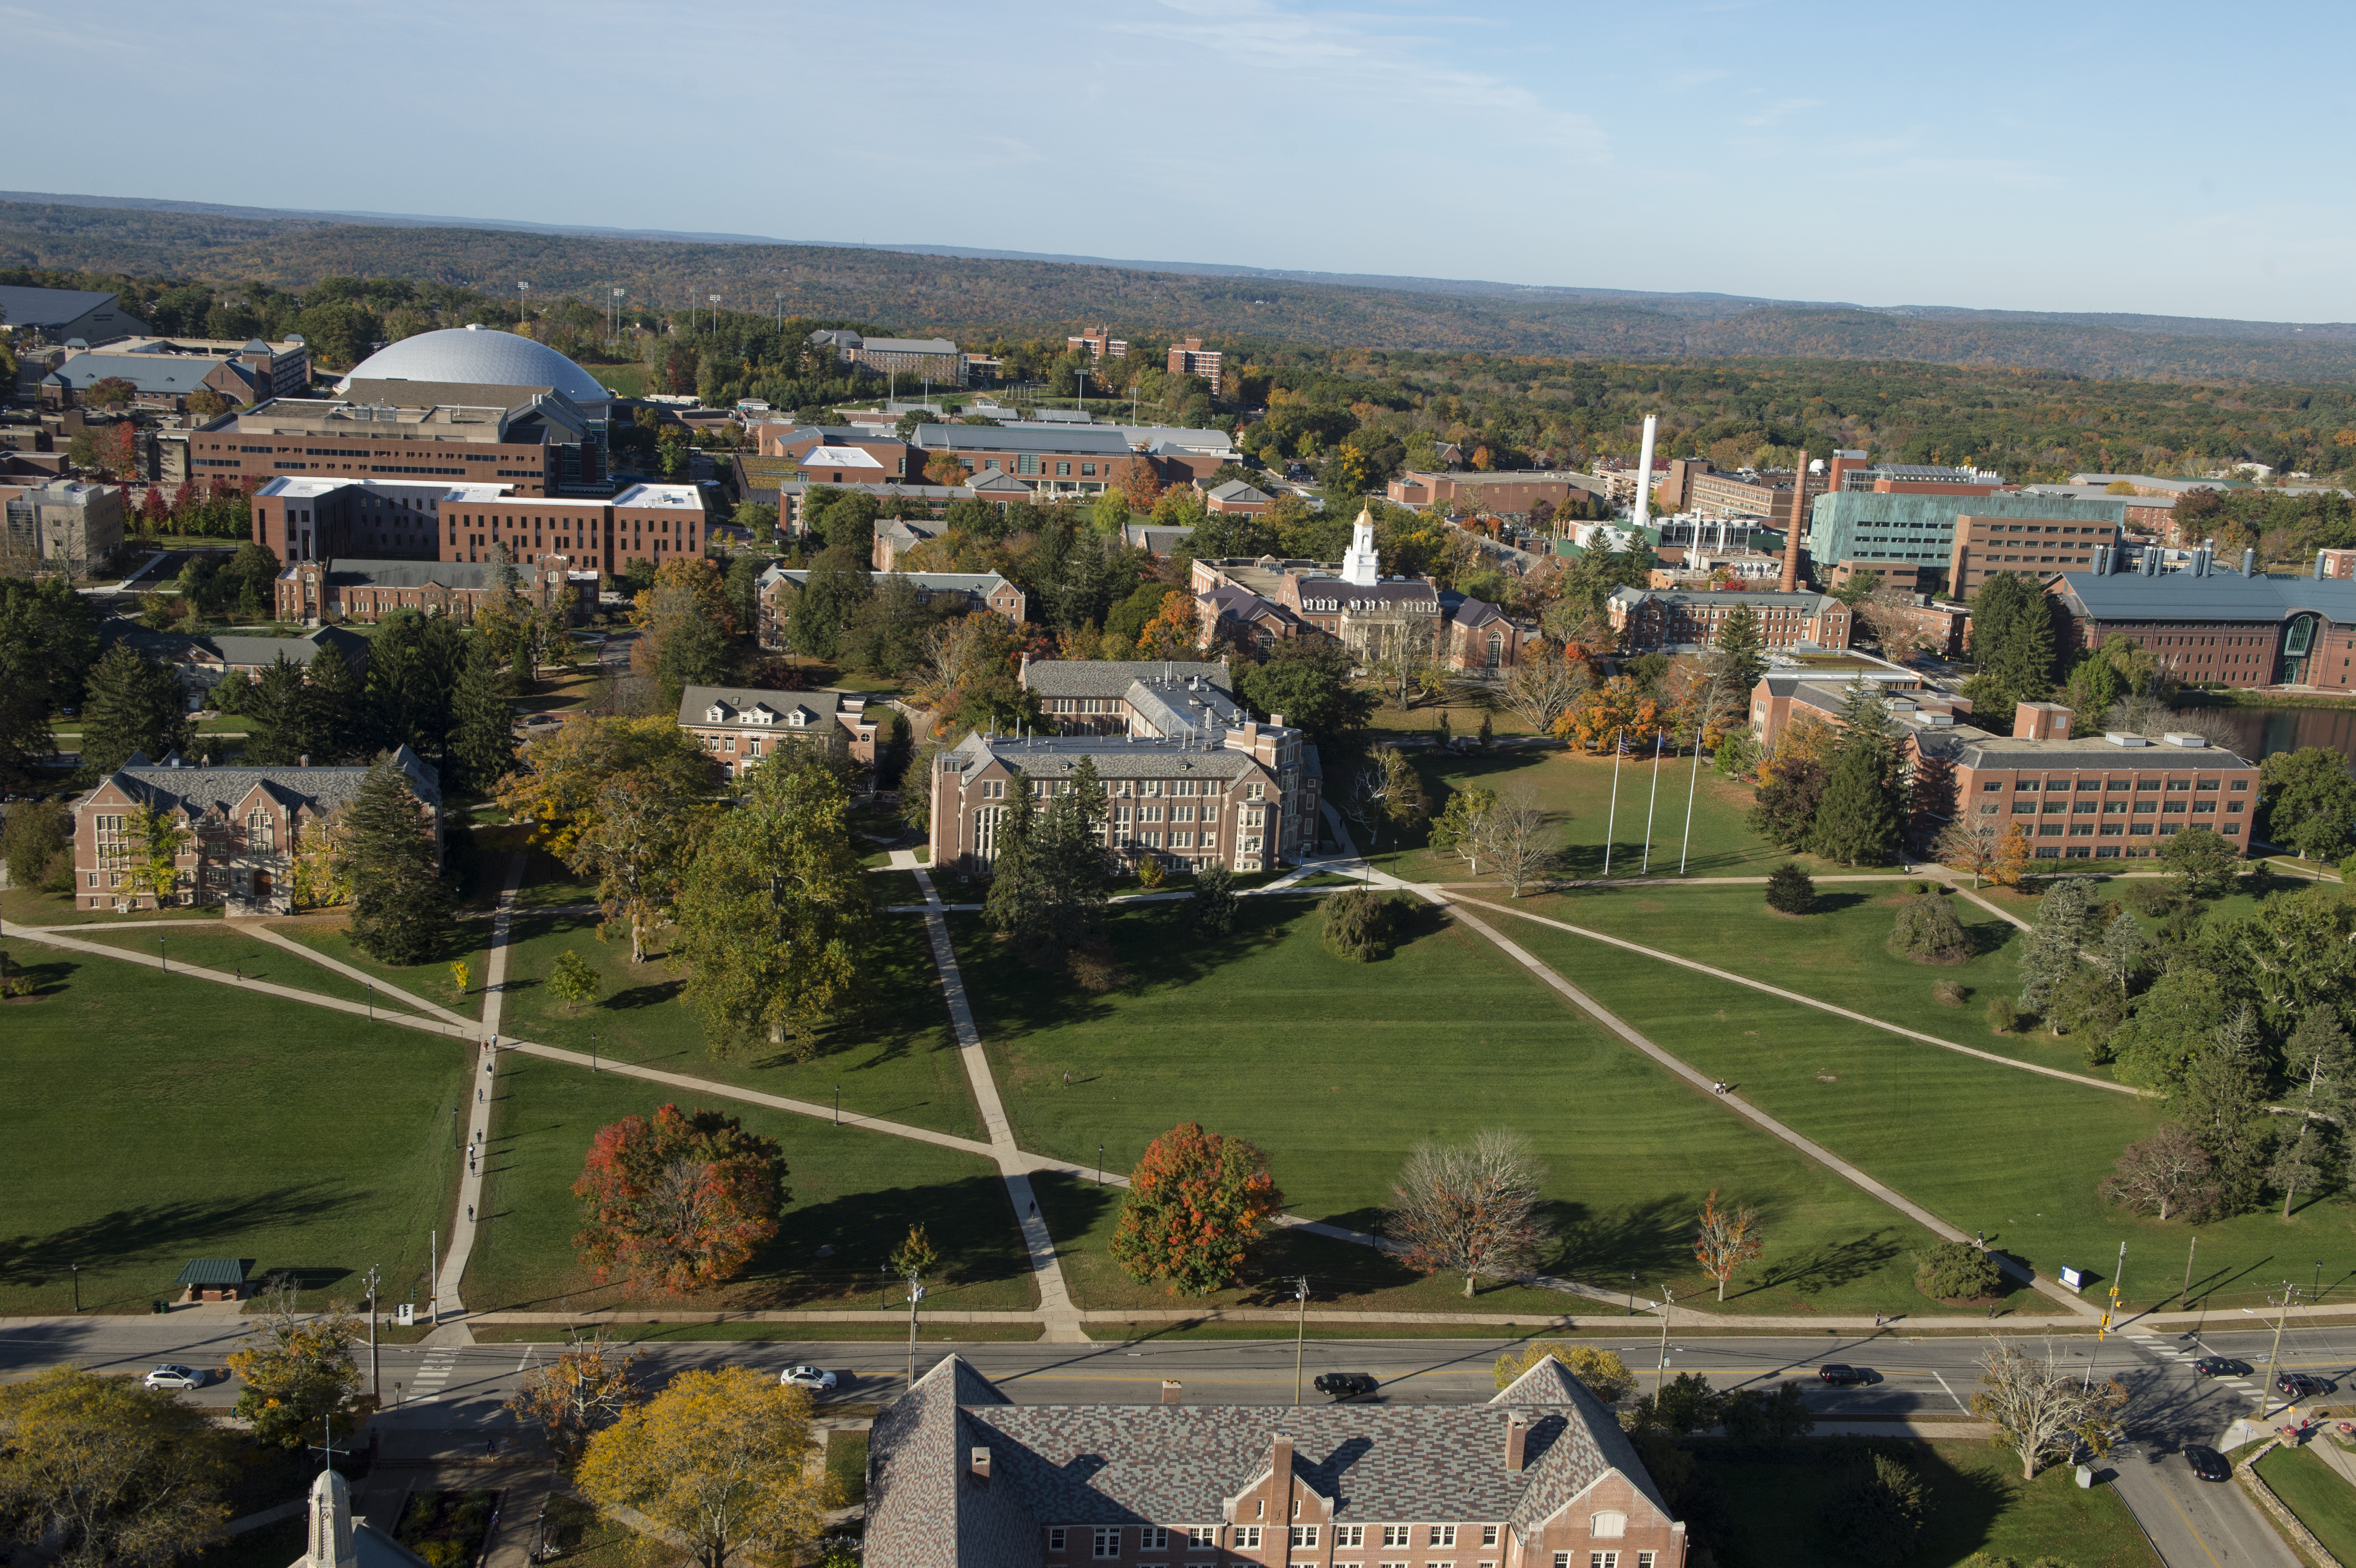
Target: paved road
[{"x": 2195, "y": 1524}]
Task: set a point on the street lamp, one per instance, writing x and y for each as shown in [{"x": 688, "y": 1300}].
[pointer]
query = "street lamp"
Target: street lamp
[
  {"x": 76, "y": 1270},
  {"x": 454, "y": 1129},
  {"x": 1100, "y": 1165},
  {"x": 371, "y": 1001},
  {"x": 593, "y": 1053},
  {"x": 162, "y": 959},
  {"x": 523, "y": 292},
  {"x": 838, "y": 1104}
]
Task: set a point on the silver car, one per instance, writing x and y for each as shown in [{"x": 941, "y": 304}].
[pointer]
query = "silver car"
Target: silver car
[
  {"x": 816, "y": 1378},
  {"x": 170, "y": 1376}
]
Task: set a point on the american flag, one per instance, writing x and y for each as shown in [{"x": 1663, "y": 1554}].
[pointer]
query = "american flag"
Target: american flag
[{"x": 1625, "y": 749}]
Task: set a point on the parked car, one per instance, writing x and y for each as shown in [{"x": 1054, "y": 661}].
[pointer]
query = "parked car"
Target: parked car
[
  {"x": 816, "y": 1378},
  {"x": 539, "y": 720},
  {"x": 2298, "y": 1385},
  {"x": 1346, "y": 1385},
  {"x": 2207, "y": 1463},
  {"x": 2220, "y": 1367},
  {"x": 171, "y": 1376},
  {"x": 1840, "y": 1374}
]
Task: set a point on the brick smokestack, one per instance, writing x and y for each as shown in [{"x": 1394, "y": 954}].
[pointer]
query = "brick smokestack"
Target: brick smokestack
[
  {"x": 1790, "y": 582},
  {"x": 1518, "y": 1443}
]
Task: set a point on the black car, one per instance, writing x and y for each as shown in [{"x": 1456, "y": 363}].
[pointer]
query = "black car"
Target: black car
[
  {"x": 2208, "y": 1464},
  {"x": 1840, "y": 1374},
  {"x": 2298, "y": 1385},
  {"x": 2220, "y": 1367},
  {"x": 1345, "y": 1385}
]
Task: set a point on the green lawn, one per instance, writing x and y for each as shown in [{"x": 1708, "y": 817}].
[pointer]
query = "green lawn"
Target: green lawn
[
  {"x": 25, "y": 906},
  {"x": 150, "y": 1119},
  {"x": 1575, "y": 790},
  {"x": 470, "y": 940},
  {"x": 2313, "y": 1491},
  {"x": 1837, "y": 955},
  {"x": 856, "y": 1192},
  {"x": 1337, "y": 1070},
  {"x": 894, "y": 1058},
  {"x": 889, "y": 887},
  {"x": 227, "y": 949},
  {"x": 1978, "y": 1503},
  {"x": 1983, "y": 1147}
]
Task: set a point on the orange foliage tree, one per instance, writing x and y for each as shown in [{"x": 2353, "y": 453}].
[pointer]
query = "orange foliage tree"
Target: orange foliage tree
[
  {"x": 1604, "y": 710},
  {"x": 1197, "y": 1203},
  {"x": 679, "y": 1202},
  {"x": 1171, "y": 634}
]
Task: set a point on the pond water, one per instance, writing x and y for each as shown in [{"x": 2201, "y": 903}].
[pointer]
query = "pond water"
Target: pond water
[{"x": 2262, "y": 731}]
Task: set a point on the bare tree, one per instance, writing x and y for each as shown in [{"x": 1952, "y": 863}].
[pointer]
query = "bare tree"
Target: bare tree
[
  {"x": 1965, "y": 848},
  {"x": 588, "y": 1385},
  {"x": 1729, "y": 1238},
  {"x": 1889, "y": 615},
  {"x": 1513, "y": 834},
  {"x": 1471, "y": 1208},
  {"x": 1364, "y": 797},
  {"x": 2043, "y": 1409},
  {"x": 1543, "y": 686},
  {"x": 2167, "y": 1173}
]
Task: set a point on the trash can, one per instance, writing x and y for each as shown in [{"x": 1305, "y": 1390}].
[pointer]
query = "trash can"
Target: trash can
[{"x": 158, "y": 1306}]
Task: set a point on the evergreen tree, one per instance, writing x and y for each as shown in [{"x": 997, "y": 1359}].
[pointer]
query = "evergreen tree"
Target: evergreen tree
[
  {"x": 1859, "y": 818},
  {"x": 484, "y": 744},
  {"x": 2223, "y": 1103},
  {"x": 1742, "y": 650},
  {"x": 276, "y": 732},
  {"x": 131, "y": 704},
  {"x": 2049, "y": 957},
  {"x": 1016, "y": 905},
  {"x": 1790, "y": 890},
  {"x": 504, "y": 575},
  {"x": 2321, "y": 1064},
  {"x": 2012, "y": 638},
  {"x": 334, "y": 710},
  {"x": 400, "y": 905}
]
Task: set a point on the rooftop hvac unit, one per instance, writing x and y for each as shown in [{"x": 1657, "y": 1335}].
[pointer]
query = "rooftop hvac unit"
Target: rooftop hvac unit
[
  {"x": 2122, "y": 738},
  {"x": 2191, "y": 742}
]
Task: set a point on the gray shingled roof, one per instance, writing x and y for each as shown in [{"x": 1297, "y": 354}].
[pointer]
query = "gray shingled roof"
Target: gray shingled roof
[
  {"x": 742, "y": 705},
  {"x": 1349, "y": 595},
  {"x": 1087, "y": 440},
  {"x": 1113, "y": 677},
  {"x": 199, "y": 791},
  {"x": 1766, "y": 598},
  {"x": 1117, "y": 756},
  {"x": 2221, "y": 595},
  {"x": 1176, "y": 1465},
  {"x": 457, "y": 574},
  {"x": 2093, "y": 752}
]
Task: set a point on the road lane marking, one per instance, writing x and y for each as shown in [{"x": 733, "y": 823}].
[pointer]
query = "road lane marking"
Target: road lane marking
[
  {"x": 2190, "y": 1528},
  {"x": 1950, "y": 1395},
  {"x": 529, "y": 1351}
]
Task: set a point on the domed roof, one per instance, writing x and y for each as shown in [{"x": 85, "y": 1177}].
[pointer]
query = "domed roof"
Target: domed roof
[{"x": 482, "y": 357}]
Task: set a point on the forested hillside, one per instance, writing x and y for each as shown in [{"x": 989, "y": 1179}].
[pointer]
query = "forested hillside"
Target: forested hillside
[{"x": 969, "y": 297}]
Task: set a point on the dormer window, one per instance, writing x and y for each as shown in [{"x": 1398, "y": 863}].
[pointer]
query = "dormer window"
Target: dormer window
[{"x": 715, "y": 714}]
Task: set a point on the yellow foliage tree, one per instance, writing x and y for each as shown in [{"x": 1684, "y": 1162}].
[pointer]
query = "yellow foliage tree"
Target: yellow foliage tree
[
  {"x": 557, "y": 787},
  {"x": 1171, "y": 634},
  {"x": 719, "y": 1460},
  {"x": 1606, "y": 1376}
]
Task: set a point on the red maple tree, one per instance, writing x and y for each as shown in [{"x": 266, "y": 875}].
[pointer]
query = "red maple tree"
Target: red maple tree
[
  {"x": 678, "y": 1202},
  {"x": 1197, "y": 1203}
]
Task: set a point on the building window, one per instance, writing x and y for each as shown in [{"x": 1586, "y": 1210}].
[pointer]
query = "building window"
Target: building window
[
  {"x": 1108, "y": 1540},
  {"x": 1610, "y": 1525},
  {"x": 1153, "y": 1538},
  {"x": 1202, "y": 1535},
  {"x": 1349, "y": 1535},
  {"x": 1248, "y": 1537},
  {"x": 1055, "y": 1537},
  {"x": 1304, "y": 1534},
  {"x": 1394, "y": 1535},
  {"x": 1441, "y": 1535}
]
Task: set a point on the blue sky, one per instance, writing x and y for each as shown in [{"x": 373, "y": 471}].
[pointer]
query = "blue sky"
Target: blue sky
[{"x": 2003, "y": 155}]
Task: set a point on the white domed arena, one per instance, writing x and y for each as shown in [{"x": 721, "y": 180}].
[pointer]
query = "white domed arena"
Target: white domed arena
[{"x": 481, "y": 357}]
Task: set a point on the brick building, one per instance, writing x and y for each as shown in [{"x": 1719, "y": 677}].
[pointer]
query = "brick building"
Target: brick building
[
  {"x": 968, "y": 591},
  {"x": 1480, "y": 636},
  {"x": 324, "y": 518},
  {"x": 1922, "y": 529},
  {"x": 1670, "y": 620},
  {"x": 166, "y": 372},
  {"x": 1514, "y": 494},
  {"x": 1985, "y": 546},
  {"x": 1191, "y": 779},
  {"x": 795, "y": 443},
  {"x": 245, "y": 827},
  {"x": 1048, "y": 460},
  {"x": 203, "y": 660},
  {"x": 1539, "y": 1477},
  {"x": 1191, "y": 358},
  {"x": 316, "y": 592},
  {"x": 1695, "y": 485},
  {"x": 63, "y": 522},
  {"x": 739, "y": 726},
  {"x": 1238, "y": 498},
  {"x": 2218, "y": 627},
  {"x": 934, "y": 358},
  {"x": 544, "y": 445},
  {"x": 1098, "y": 342}
]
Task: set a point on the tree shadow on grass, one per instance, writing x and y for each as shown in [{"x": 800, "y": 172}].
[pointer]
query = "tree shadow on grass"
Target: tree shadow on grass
[
  {"x": 160, "y": 1235},
  {"x": 1155, "y": 945},
  {"x": 1775, "y": 1495},
  {"x": 48, "y": 979},
  {"x": 1826, "y": 1266},
  {"x": 1648, "y": 1240}
]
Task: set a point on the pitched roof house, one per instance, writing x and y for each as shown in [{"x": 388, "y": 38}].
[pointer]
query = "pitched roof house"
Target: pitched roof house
[{"x": 1540, "y": 1477}]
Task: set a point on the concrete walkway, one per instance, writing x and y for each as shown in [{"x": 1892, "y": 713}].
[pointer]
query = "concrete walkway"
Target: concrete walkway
[
  {"x": 410, "y": 1000},
  {"x": 1778, "y": 992},
  {"x": 1055, "y": 1308}
]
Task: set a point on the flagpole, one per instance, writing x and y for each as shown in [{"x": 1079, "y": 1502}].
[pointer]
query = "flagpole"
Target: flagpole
[
  {"x": 1651, "y": 806},
  {"x": 1611, "y": 826},
  {"x": 1685, "y": 844}
]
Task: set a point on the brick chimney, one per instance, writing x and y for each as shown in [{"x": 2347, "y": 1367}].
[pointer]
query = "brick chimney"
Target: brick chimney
[
  {"x": 1280, "y": 1480},
  {"x": 2041, "y": 722},
  {"x": 1790, "y": 580},
  {"x": 981, "y": 1464},
  {"x": 1517, "y": 1442}
]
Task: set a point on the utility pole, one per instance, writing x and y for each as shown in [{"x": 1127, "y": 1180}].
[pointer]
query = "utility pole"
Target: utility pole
[
  {"x": 1611, "y": 826},
  {"x": 1661, "y": 1372},
  {"x": 376, "y": 1383},
  {"x": 2111, "y": 1317},
  {"x": 1301, "y": 1334},
  {"x": 2184, "y": 1297},
  {"x": 2274, "y": 1356},
  {"x": 915, "y": 1294},
  {"x": 432, "y": 1279}
]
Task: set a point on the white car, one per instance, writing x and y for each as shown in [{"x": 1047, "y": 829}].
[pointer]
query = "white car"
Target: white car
[
  {"x": 817, "y": 1379},
  {"x": 168, "y": 1376}
]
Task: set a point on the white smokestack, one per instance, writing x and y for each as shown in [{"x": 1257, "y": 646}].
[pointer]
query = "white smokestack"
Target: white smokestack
[{"x": 1644, "y": 472}]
